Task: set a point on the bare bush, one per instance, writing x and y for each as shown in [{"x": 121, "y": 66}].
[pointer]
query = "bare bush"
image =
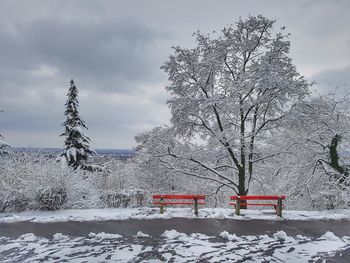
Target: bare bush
[
  {"x": 52, "y": 198},
  {"x": 13, "y": 202},
  {"x": 132, "y": 198}
]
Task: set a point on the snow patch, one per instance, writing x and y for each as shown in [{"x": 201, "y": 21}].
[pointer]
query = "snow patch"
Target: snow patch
[
  {"x": 140, "y": 234},
  {"x": 173, "y": 234},
  {"x": 103, "y": 235},
  {"x": 59, "y": 236},
  {"x": 30, "y": 237},
  {"x": 281, "y": 235},
  {"x": 220, "y": 215},
  {"x": 330, "y": 236},
  {"x": 228, "y": 236}
]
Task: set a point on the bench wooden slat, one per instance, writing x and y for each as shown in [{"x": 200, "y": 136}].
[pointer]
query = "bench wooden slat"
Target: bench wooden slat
[
  {"x": 177, "y": 203},
  {"x": 258, "y": 204},
  {"x": 258, "y": 197},
  {"x": 174, "y": 196}
]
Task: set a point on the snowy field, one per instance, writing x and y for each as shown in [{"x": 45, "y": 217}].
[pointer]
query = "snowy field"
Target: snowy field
[
  {"x": 153, "y": 213},
  {"x": 171, "y": 247}
]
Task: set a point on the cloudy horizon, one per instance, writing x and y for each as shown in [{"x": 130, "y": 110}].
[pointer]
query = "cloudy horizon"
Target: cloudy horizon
[{"x": 114, "y": 50}]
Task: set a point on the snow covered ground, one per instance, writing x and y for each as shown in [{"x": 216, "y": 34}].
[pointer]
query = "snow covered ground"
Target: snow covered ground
[
  {"x": 173, "y": 246},
  {"x": 153, "y": 213}
]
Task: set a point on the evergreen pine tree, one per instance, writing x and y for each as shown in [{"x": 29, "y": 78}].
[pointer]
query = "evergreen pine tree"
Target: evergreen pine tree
[{"x": 76, "y": 149}]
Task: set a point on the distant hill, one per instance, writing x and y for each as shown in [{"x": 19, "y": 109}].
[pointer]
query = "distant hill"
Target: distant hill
[{"x": 100, "y": 152}]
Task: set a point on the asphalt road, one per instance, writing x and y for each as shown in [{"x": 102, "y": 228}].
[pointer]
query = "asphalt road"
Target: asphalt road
[
  {"x": 212, "y": 227},
  {"x": 155, "y": 227}
]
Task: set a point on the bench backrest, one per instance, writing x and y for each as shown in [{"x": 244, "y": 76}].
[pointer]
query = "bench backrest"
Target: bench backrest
[
  {"x": 258, "y": 197},
  {"x": 175, "y": 196}
]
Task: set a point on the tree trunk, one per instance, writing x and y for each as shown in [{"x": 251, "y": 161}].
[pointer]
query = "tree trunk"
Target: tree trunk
[
  {"x": 241, "y": 188},
  {"x": 334, "y": 158},
  {"x": 241, "y": 174}
]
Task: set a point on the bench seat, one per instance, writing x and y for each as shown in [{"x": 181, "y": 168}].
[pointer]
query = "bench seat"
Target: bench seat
[
  {"x": 242, "y": 201},
  {"x": 171, "y": 199},
  {"x": 257, "y": 204},
  {"x": 177, "y": 203}
]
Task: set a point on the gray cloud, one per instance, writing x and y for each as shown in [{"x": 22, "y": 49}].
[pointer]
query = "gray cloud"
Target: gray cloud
[
  {"x": 108, "y": 59},
  {"x": 333, "y": 81},
  {"x": 100, "y": 53},
  {"x": 114, "y": 49}
]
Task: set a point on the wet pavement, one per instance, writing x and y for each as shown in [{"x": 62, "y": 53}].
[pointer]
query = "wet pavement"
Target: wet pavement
[
  {"x": 155, "y": 227},
  {"x": 154, "y": 247}
]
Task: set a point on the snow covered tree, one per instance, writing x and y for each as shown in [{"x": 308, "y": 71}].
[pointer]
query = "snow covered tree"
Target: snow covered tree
[
  {"x": 4, "y": 147},
  {"x": 229, "y": 95},
  {"x": 312, "y": 164},
  {"x": 158, "y": 172},
  {"x": 77, "y": 144},
  {"x": 151, "y": 153},
  {"x": 327, "y": 124}
]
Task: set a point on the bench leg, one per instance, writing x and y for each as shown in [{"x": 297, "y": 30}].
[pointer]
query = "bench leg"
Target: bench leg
[
  {"x": 161, "y": 206},
  {"x": 279, "y": 207},
  {"x": 238, "y": 207},
  {"x": 196, "y": 207}
]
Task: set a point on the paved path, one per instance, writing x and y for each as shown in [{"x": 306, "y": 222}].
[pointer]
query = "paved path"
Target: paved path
[{"x": 155, "y": 227}]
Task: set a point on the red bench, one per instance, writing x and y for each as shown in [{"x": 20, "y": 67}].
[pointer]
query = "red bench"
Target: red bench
[
  {"x": 175, "y": 199},
  {"x": 238, "y": 202}
]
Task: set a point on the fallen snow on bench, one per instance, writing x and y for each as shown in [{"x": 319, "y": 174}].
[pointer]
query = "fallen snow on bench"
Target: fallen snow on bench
[
  {"x": 153, "y": 213},
  {"x": 172, "y": 247}
]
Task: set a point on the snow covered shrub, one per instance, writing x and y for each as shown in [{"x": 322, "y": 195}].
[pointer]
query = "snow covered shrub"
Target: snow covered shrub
[
  {"x": 23, "y": 177},
  {"x": 332, "y": 197},
  {"x": 332, "y": 201},
  {"x": 121, "y": 175},
  {"x": 139, "y": 197},
  {"x": 82, "y": 190},
  {"x": 131, "y": 198},
  {"x": 120, "y": 186},
  {"x": 13, "y": 202},
  {"x": 52, "y": 198},
  {"x": 116, "y": 199}
]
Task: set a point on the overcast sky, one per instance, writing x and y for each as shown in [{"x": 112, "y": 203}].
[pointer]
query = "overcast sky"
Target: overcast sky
[{"x": 114, "y": 50}]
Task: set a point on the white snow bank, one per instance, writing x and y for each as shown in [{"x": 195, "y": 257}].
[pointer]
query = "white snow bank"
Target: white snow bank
[
  {"x": 103, "y": 235},
  {"x": 60, "y": 236},
  {"x": 281, "y": 235},
  {"x": 227, "y": 236},
  {"x": 330, "y": 236},
  {"x": 140, "y": 234},
  {"x": 30, "y": 237},
  {"x": 173, "y": 234},
  {"x": 153, "y": 213}
]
